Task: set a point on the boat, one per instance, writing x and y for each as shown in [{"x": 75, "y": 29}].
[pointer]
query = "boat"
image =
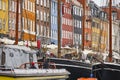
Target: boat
[
  {"x": 75, "y": 67},
  {"x": 16, "y": 61}
]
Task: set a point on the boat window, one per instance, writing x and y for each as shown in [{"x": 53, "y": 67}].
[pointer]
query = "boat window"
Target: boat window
[
  {"x": 24, "y": 51},
  {"x": 3, "y": 58},
  {"x": 11, "y": 55},
  {"x": 31, "y": 57}
]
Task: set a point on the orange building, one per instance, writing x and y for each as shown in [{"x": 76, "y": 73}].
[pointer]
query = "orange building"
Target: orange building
[{"x": 28, "y": 20}]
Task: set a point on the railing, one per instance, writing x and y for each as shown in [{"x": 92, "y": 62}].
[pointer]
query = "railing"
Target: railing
[{"x": 40, "y": 65}]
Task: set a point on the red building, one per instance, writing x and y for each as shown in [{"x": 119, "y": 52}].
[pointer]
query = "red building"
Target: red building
[{"x": 67, "y": 28}]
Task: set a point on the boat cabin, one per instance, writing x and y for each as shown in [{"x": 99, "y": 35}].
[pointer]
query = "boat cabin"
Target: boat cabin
[{"x": 13, "y": 55}]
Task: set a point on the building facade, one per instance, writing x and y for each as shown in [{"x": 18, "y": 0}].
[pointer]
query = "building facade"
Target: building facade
[
  {"x": 115, "y": 26},
  {"x": 77, "y": 11},
  {"x": 104, "y": 29},
  {"x": 88, "y": 28},
  {"x": 95, "y": 26},
  {"x": 43, "y": 20},
  {"x": 67, "y": 24},
  {"x": 28, "y": 20},
  {"x": 3, "y": 18},
  {"x": 54, "y": 21}
]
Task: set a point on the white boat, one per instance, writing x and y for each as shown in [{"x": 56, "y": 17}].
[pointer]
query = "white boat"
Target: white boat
[{"x": 14, "y": 57}]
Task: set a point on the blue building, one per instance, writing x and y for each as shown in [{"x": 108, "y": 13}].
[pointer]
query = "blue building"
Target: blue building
[{"x": 54, "y": 23}]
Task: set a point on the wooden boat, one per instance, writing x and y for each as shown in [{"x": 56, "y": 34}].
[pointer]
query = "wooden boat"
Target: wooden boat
[
  {"x": 75, "y": 67},
  {"x": 15, "y": 62}
]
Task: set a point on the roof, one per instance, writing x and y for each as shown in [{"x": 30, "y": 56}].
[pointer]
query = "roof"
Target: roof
[{"x": 19, "y": 47}]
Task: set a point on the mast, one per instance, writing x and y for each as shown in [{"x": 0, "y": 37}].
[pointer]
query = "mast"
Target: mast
[
  {"x": 110, "y": 30},
  {"x": 83, "y": 27},
  {"x": 59, "y": 28},
  {"x": 17, "y": 21}
]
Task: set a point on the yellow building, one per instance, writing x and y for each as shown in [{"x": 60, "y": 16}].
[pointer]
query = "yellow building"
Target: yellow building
[
  {"x": 95, "y": 34},
  {"x": 104, "y": 35},
  {"x": 3, "y": 18},
  {"x": 100, "y": 33}
]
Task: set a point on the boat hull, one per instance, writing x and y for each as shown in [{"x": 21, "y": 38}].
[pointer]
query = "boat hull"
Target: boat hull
[
  {"x": 34, "y": 74},
  {"x": 33, "y": 78},
  {"x": 76, "y": 68},
  {"x": 107, "y": 71}
]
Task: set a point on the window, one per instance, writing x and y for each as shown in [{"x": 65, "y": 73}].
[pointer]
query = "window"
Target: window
[
  {"x": 41, "y": 13},
  {"x": 13, "y": 6},
  {"x": 4, "y": 6},
  {"x": 31, "y": 7},
  {"x": 80, "y": 24},
  {"x": 0, "y": 4},
  {"x": 23, "y": 22},
  {"x": 33, "y": 26},
  {"x": 44, "y": 16},
  {"x": 19, "y": 9},
  {"x": 47, "y": 16},
  {"x": 4, "y": 24},
  {"x": 44, "y": 2},
  {"x": 37, "y": 29},
  {"x": 37, "y": 1},
  {"x": 23, "y": 4},
  {"x": 0, "y": 23},
  {"x": 41, "y": 3},
  {"x": 3, "y": 58},
  {"x": 28, "y": 5},
  {"x": 41, "y": 30},
  {"x": 37, "y": 14},
  {"x": 47, "y": 3}
]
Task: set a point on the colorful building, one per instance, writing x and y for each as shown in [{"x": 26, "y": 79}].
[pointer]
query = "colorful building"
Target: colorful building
[
  {"x": 54, "y": 22},
  {"x": 28, "y": 20},
  {"x": 95, "y": 26},
  {"x": 67, "y": 24},
  {"x": 3, "y": 18}
]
